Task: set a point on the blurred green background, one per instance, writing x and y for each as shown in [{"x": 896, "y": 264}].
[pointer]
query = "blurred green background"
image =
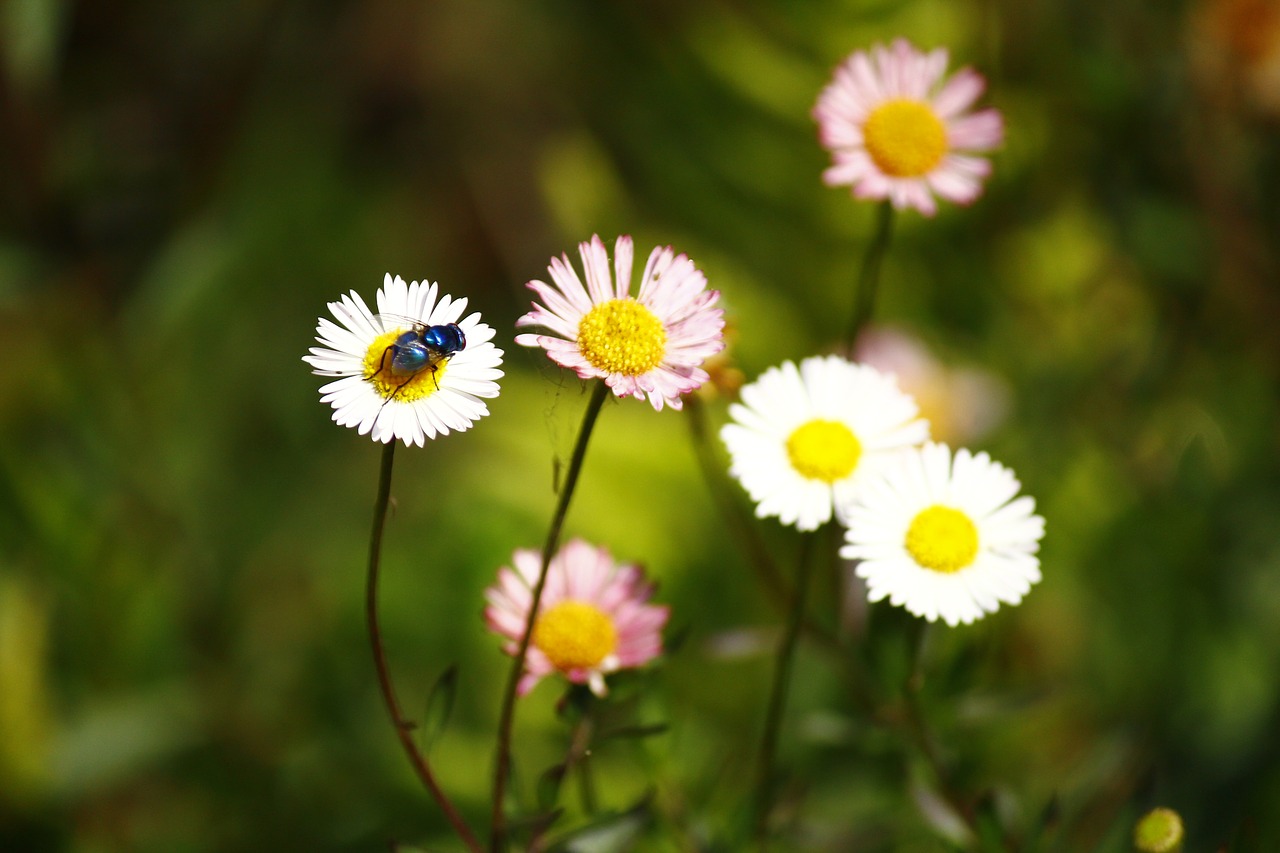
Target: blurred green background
[{"x": 183, "y": 186}]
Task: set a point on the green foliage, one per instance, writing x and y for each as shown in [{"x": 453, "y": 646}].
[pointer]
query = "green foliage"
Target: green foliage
[{"x": 183, "y": 665}]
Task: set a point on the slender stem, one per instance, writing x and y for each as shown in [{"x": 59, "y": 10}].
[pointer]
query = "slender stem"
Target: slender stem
[
  {"x": 498, "y": 838},
  {"x": 920, "y": 733},
  {"x": 778, "y": 695},
  {"x": 869, "y": 276},
  {"x": 744, "y": 532},
  {"x": 576, "y": 759},
  {"x": 580, "y": 759},
  {"x": 403, "y": 727}
]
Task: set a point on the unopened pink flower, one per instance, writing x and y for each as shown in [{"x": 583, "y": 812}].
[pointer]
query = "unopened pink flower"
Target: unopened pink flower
[
  {"x": 649, "y": 345},
  {"x": 594, "y": 618},
  {"x": 897, "y": 131}
]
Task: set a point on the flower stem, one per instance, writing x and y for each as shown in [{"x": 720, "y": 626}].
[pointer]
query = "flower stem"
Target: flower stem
[
  {"x": 579, "y": 759},
  {"x": 747, "y": 536},
  {"x": 869, "y": 276},
  {"x": 502, "y": 768},
  {"x": 744, "y": 532},
  {"x": 778, "y": 695},
  {"x": 404, "y": 728},
  {"x": 920, "y": 734},
  {"x": 576, "y": 760}
]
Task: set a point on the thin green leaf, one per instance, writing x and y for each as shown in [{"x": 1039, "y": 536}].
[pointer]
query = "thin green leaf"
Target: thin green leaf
[
  {"x": 439, "y": 707},
  {"x": 633, "y": 732},
  {"x": 549, "y": 784},
  {"x": 608, "y": 832}
]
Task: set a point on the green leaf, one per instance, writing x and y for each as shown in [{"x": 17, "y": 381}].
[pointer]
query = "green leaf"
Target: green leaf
[
  {"x": 535, "y": 825},
  {"x": 439, "y": 707},
  {"x": 1046, "y": 822},
  {"x": 549, "y": 786},
  {"x": 991, "y": 835},
  {"x": 608, "y": 832},
  {"x": 633, "y": 732}
]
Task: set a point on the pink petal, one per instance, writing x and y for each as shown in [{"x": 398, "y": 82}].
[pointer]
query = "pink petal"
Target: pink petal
[
  {"x": 977, "y": 132},
  {"x": 959, "y": 93}
]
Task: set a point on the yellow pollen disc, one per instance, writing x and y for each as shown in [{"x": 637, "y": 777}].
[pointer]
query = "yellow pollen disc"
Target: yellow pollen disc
[
  {"x": 906, "y": 139},
  {"x": 942, "y": 539},
  {"x": 824, "y": 450},
  {"x": 622, "y": 336},
  {"x": 574, "y": 635},
  {"x": 411, "y": 386}
]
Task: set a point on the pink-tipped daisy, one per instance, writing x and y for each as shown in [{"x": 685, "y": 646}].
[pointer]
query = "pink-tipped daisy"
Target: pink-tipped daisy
[
  {"x": 649, "y": 345},
  {"x": 429, "y": 389},
  {"x": 594, "y": 617},
  {"x": 896, "y": 130},
  {"x": 944, "y": 536}
]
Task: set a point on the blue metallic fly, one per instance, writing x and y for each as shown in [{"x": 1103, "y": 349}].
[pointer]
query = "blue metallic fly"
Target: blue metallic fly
[{"x": 421, "y": 348}]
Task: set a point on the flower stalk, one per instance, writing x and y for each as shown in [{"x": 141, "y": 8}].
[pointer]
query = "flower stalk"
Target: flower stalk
[
  {"x": 404, "y": 728},
  {"x": 502, "y": 764},
  {"x": 778, "y": 695},
  {"x": 922, "y": 737},
  {"x": 744, "y": 532},
  {"x": 869, "y": 276}
]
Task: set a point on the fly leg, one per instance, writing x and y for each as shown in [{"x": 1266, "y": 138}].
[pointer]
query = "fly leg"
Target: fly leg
[
  {"x": 382, "y": 365},
  {"x": 392, "y": 395},
  {"x": 382, "y": 362}
]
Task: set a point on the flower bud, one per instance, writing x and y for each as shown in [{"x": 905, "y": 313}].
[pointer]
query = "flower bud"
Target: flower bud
[{"x": 1160, "y": 831}]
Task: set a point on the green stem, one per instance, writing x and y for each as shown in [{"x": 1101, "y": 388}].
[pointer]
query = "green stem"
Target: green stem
[
  {"x": 404, "y": 728},
  {"x": 778, "y": 695},
  {"x": 921, "y": 734},
  {"x": 577, "y": 760},
  {"x": 502, "y": 768},
  {"x": 744, "y": 532},
  {"x": 869, "y": 276}
]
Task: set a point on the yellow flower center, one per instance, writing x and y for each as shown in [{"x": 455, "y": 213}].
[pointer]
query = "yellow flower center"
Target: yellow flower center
[
  {"x": 824, "y": 450},
  {"x": 905, "y": 138},
  {"x": 388, "y": 382},
  {"x": 622, "y": 336},
  {"x": 942, "y": 539},
  {"x": 575, "y": 635}
]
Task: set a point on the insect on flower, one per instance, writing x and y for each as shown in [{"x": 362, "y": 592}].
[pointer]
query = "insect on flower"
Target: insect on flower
[
  {"x": 417, "y": 369},
  {"x": 421, "y": 348}
]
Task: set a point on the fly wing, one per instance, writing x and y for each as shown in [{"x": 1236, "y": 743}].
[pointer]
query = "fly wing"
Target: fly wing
[{"x": 398, "y": 322}]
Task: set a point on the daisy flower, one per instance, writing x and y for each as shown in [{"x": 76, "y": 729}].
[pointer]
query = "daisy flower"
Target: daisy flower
[
  {"x": 961, "y": 404},
  {"x": 392, "y": 385},
  {"x": 944, "y": 537},
  {"x": 594, "y": 617},
  {"x": 805, "y": 438},
  {"x": 650, "y": 345},
  {"x": 895, "y": 129}
]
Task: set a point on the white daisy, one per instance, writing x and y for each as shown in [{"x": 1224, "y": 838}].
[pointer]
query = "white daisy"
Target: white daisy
[
  {"x": 412, "y": 392},
  {"x": 805, "y": 438},
  {"x": 944, "y": 537}
]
